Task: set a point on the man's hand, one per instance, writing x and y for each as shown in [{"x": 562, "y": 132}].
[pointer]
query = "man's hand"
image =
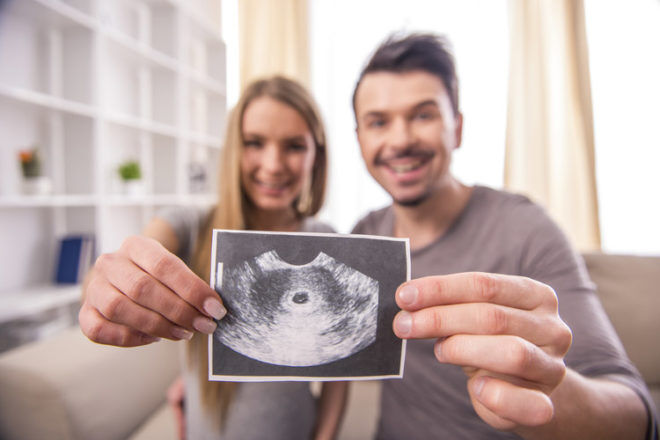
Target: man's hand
[
  {"x": 142, "y": 293},
  {"x": 506, "y": 333}
]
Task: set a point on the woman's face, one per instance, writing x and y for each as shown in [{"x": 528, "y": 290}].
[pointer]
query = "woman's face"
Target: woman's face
[{"x": 278, "y": 154}]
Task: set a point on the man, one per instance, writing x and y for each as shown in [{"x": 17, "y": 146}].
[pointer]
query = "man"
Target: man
[{"x": 488, "y": 353}]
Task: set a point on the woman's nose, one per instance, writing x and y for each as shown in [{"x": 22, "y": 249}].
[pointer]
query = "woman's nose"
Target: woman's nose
[{"x": 272, "y": 158}]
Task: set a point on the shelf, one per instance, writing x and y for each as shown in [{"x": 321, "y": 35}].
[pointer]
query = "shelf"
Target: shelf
[
  {"x": 46, "y": 201},
  {"x": 204, "y": 139},
  {"x": 199, "y": 20},
  {"x": 141, "y": 53},
  {"x": 208, "y": 83},
  {"x": 91, "y": 84},
  {"x": 161, "y": 200},
  {"x": 51, "y": 13},
  {"x": 142, "y": 124},
  {"x": 33, "y": 300},
  {"x": 46, "y": 101}
]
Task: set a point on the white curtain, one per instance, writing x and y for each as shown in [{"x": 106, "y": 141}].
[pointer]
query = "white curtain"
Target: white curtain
[
  {"x": 273, "y": 39},
  {"x": 549, "y": 138}
]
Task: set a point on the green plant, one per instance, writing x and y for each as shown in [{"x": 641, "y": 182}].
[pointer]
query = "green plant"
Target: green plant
[
  {"x": 30, "y": 162},
  {"x": 130, "y": 170}
]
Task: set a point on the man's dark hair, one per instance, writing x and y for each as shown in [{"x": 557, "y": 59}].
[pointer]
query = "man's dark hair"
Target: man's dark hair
[{"x": 414, "y": 52}]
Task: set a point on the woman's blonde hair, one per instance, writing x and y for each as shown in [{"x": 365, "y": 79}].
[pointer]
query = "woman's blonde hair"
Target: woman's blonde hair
[{"x": 233, "y": 210}]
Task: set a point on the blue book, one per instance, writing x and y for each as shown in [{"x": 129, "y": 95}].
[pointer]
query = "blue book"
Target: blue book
[{"x": 75, "y": 257}]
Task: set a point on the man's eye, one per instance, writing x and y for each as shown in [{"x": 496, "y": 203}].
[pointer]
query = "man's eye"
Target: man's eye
[
  {"x": 424, "y": 115},
  {"x": 376, "y": 123}
]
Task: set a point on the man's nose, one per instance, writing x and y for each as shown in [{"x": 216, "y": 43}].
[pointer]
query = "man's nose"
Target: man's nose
[{"x": 400, "y": 135}]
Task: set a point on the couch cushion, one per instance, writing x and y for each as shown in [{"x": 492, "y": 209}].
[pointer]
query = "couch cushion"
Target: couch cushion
[
  {"x": 629, "y": 288},
  {"x": 160, "y": 426},
  {"x": 67, "y": 387}
]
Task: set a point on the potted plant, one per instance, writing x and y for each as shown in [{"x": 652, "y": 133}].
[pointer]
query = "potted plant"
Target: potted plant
[
  {"x": 33, "y": 180},
  {"x": 130, "y": 173}
]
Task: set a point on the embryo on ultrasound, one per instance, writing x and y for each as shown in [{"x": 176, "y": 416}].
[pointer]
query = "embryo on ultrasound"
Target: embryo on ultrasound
[{"x": 297, "y": 315}]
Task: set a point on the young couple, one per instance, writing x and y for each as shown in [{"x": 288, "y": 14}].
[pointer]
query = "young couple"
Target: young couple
[{"x": 488, "y": 352}]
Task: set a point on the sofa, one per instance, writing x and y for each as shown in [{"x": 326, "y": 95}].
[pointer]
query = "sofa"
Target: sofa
[{"x": 67, "y": 387}]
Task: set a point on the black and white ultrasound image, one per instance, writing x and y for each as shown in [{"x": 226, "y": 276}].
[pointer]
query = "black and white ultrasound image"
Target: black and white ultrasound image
[{"x": 303, "y": 305}]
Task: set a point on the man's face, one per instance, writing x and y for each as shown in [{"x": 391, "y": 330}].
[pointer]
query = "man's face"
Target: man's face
[{"x": 407, "y": 131}]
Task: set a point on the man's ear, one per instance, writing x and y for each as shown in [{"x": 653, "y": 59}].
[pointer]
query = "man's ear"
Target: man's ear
[{"x": 458, "y": 130}]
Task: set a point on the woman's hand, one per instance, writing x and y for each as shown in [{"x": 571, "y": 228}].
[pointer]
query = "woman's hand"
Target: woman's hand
[{"x": 142, "y": 293}]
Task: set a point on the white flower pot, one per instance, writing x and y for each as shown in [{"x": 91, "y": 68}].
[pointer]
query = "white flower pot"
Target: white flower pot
[{"x": 38, "y": 186}]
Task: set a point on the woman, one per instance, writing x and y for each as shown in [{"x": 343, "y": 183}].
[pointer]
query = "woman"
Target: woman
[{"x": 272, "y": 177}]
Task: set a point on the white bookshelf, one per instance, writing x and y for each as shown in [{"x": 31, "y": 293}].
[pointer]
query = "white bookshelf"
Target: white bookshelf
[{"x": 94, "y": 83}]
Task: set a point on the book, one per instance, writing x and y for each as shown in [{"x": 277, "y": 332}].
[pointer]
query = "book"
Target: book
[{"x": 75, "y": 256}]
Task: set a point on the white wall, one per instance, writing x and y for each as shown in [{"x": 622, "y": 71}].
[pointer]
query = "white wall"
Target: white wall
[
  {"x": 624, "y": 43},
  {"x": 624, "y": 55},
  {"x": 343, "y": 35}
]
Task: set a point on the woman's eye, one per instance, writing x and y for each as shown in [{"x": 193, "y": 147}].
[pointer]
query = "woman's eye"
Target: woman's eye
[
  {"x": 252, "y": 144},
  {"x": 297, "y": 147}
]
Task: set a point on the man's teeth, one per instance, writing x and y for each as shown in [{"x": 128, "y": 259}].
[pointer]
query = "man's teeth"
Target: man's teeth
[{"x": 403, "y": 168}]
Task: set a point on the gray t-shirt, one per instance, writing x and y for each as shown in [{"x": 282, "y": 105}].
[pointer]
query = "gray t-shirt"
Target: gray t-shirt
[
  {"x": 278, "y": 410},
  {"x": 497, "y": 232}
]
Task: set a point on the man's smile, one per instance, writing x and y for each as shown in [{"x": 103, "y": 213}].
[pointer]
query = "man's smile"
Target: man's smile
[{"x": 405, "y": 164}]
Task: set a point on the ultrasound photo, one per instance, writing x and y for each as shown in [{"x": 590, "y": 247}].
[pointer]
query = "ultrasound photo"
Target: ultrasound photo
[{"x": 306, "y": 306}]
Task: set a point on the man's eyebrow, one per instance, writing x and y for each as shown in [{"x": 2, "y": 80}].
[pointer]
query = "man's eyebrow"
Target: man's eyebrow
[
  {"x": 431, "y": 102},
  {"x": 373, "y": 114},
  {"x": 381, "y": 113}
]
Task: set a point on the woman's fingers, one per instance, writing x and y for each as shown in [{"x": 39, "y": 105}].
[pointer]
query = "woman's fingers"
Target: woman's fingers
[
  {"x": 145, "y": 290},
  {"x": 505, "y": 406},
  {"x": 164, "y": 266},
  {"x": 116, "y": 307},
  {"x": 102, "y": 331}
]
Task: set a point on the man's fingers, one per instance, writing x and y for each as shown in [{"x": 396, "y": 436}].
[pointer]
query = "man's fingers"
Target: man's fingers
[
  {"x": 505, "y": 406},
  {"x": 102, "y": 331},
  {"x": 475, "y": 287},
  {"x": 154, "y": 259},
  {"x": 484, "y": 319},
  {"x": 507, "y": 355},
  {"x": 145, "y": 290}
]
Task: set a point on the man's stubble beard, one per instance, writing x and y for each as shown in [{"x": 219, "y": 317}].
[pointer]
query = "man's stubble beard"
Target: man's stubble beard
[{"x": 411, "y": 203}]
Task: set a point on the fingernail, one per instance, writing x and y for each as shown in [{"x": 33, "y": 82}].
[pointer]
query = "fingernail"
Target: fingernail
[
  {"x": 408, "y": 294},
  {"x": 204, "y": 325},
  {"x": 403, "y": 323},
  {"x": 182, "y": 333},
  {"x": 438, "y": 350},
  {"x": 214, "y": 308},
  {"x": 479, "y": 385}
]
